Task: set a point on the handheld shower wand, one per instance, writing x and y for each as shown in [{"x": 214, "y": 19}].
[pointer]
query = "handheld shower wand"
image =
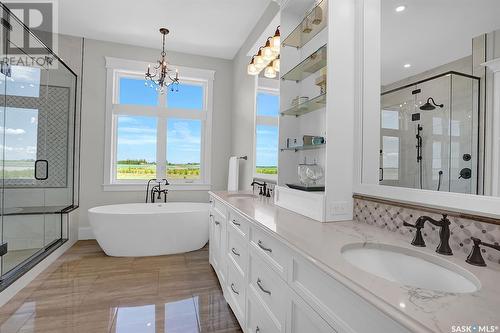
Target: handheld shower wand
[{"x": 419, "y": 152}]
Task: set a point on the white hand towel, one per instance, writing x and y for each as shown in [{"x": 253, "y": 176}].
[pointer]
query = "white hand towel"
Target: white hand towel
[{"x": 233, "y": 174}]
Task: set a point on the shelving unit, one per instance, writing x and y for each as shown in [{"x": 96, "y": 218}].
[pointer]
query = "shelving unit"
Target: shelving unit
[
  {"x": 305, "y": 147},
  {"x": 308, "y": 66},
  {"x": 307, "y": 29},
  {"x": 304, "y": 60},
  {"x": 311, "y": 105}
]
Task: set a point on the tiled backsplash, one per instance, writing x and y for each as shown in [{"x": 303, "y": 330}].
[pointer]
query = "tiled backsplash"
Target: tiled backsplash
[{"x": 391, "y": 217}]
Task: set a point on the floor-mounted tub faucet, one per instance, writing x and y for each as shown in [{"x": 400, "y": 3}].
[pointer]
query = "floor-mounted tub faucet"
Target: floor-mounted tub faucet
[
  {"x": 156, "y": 191},
  {"x": 444, "y": 233}
]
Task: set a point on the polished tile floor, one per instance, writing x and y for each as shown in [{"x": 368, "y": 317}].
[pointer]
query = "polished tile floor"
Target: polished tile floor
[{"x": 86, "y": 291}]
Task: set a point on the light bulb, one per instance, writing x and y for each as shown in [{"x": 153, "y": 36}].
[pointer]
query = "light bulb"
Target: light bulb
[
  {"x": 276, "y": 64},
  {"x": 276, "y": 41},
  {"x": 270, "y": 72},
  {"x": 252, "y": 69},
  {"x": 258, "y": 60},
  {"x": 267, "y": 52}
]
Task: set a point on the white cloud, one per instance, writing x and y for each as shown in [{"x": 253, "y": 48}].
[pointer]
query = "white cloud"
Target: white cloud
[{"x": 12, "y": 131}]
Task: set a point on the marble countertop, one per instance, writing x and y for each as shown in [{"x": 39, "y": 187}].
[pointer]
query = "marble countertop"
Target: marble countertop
[{"x": 418, "y": 309}]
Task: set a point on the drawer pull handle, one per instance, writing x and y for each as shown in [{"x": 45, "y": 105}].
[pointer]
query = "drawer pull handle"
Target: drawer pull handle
[
  {"x": 236, "y": 223},
  {"x": 234, "y": 290},
  {"x": 257, "y": 330},
  {"x": 234, "y": 252},
  {"x": 259, "y": 283},
  {"x": 263, "y": 247}
]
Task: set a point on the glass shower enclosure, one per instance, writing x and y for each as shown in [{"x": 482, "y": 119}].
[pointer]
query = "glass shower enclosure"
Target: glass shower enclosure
[
  {"x": 37, "y": 149},
  {"x": 429, "y": 134}
]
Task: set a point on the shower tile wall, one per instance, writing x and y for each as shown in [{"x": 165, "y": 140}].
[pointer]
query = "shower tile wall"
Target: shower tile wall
[{"x": 391, "y": 217}]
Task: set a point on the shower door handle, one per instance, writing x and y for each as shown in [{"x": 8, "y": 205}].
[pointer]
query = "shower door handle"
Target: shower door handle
[
  {"x": 381, "y": 174},
  {"x": 46, "y": 174}
]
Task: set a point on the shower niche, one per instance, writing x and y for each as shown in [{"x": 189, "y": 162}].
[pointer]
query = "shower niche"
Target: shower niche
[
  {"x": 38, "y": 142},
  {"x": 429, "y": 134}
]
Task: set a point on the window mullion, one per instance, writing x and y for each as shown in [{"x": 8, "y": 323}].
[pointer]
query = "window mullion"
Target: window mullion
[{"x": 161, "y": 147}]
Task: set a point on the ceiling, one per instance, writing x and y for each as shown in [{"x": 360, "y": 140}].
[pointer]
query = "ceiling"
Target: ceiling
[
  {"x": 430, "y": 33},
  {"x": 214, "y": 28}
]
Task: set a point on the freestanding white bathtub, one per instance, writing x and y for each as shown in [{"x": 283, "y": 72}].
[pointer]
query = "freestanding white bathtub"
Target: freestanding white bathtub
[{"x": 150, "y": 229}]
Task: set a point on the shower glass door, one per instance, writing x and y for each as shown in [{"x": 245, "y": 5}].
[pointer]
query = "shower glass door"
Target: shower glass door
[{"x": 25, "y": 150}]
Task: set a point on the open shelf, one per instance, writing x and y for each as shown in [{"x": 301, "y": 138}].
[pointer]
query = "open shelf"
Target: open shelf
[
  {"x": 305, "y": 147},
  {"x": 311, "y": 105},
  {"x": 308, "y": 66},
  {"x": 307, "y": 28}
]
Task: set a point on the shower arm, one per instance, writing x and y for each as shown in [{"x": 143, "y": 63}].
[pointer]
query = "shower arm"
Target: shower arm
[{"x": 434, "y": 102}]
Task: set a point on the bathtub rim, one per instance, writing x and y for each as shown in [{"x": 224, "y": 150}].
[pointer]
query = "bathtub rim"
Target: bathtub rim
[{"x": 191, "y": 207}]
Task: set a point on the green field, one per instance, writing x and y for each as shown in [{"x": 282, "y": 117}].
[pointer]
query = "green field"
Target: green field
[
  {"x": 144, "y": 170},
  {"x": 21, "y": 169},
  {"x": 267, "y": 170}
]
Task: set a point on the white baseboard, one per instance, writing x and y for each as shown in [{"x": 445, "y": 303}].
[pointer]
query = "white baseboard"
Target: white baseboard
[
  {"x": 85, "y": 233},
  {"x": 24, "y": 280}
]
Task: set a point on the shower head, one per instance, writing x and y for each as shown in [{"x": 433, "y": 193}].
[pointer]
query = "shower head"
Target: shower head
[{"x": 429, "y": 107}]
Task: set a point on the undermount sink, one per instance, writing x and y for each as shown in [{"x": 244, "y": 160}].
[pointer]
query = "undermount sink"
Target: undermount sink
[
  {"x": 411, "y": 268},
  {"x": 242, "y": 195}
]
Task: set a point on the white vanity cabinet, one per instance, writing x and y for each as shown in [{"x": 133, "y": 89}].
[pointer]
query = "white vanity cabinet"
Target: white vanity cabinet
[
  {"x": 217, "y": 238},
  {"x": 272, "y": 288}
]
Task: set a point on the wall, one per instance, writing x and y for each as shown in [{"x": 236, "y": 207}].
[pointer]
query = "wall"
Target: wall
[
  {"x": 243, "y": 104},
  {"x": 93, "y": 119}
]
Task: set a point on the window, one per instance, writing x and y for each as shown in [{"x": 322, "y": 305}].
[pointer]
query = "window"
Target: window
[
  {"x": 390, "y": 157},
  {"x": 266, "y": 133},
  {"x": 20, "y": 138},
  {"x": 153, "y": 135},
  {"x": 390, "y": 135}
]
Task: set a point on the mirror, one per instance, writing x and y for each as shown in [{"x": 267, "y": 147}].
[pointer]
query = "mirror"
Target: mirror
[{"x": 436, "y": 96}]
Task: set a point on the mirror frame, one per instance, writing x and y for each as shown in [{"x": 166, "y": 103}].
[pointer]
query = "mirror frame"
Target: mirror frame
[{"x": 367, "y": 111}]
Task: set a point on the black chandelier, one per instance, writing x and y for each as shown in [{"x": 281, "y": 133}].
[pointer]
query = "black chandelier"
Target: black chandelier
[{"x": 162, "y": 76}]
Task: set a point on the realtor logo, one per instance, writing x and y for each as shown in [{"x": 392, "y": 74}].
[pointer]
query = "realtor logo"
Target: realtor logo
[{"x": 41, "y": 18}]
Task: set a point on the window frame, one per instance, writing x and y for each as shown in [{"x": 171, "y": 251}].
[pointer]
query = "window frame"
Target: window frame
[
  {"x": 119, "y": 68},
  {"x": 265, "y": 86}
]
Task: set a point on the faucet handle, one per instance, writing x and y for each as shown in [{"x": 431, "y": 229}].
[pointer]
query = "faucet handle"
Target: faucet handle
[
  {"x": 475, "y": 257},
  {"x": 418, "y": 240}
]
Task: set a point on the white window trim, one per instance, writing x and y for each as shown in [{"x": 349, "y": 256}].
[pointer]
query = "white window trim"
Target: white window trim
[
  {"x": 119, "y": 67},
  {"x": 269, "y": 88}
]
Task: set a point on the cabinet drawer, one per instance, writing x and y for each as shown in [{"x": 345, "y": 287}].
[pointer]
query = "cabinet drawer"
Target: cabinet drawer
[
  {"x": 235, "y": 290},
  {"x": 239, "y": 223},
  {"x": 339, "y": 306},
  {"x": 269, "y": 288},
  {"x": 237, "y": 251},
  {"x": 258, "y": 320},
  {"x": 302, "y": 318},
  {"x": 271, "y": 250}
]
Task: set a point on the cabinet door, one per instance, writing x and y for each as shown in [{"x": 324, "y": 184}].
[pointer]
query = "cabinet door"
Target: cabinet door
[
  {"x": 302, "y": 318},
  {"x": 217, "y": 236}
]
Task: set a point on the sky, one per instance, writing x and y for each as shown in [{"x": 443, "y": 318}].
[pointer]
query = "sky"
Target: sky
[
  {"x": 137, "y": 135},
  {"x": 267, "y": 136}
]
